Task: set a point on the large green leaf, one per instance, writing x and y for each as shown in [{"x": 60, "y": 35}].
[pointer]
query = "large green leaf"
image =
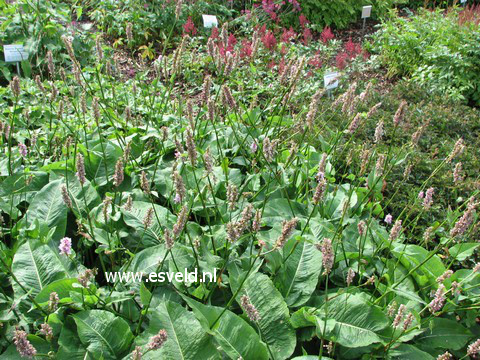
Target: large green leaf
[
  {"x": 351, "y": 321},
  {"x": 100, "y": 167},
  {"x": 275, "y": 326},
  {"x": 16, "y": 188},
  {"x": 234, "y": 335},
  {"x": 151, "y": 236},
  {"x": 445, "y": 334},
  {"x": 103, "y": 333},
  {"x": 186, "y": 337},
  {"x": 409, "y": 352},
  {"x": 70, "y": 346},
  {"x": 36, "y": 265},
  {"x": 298, "y": 278},
  {"x": 48, "y": 207},
  {"x": 463, "y": 250},
  {"x": 411, "y": 256},
  {"x": 62, "y": 287}
]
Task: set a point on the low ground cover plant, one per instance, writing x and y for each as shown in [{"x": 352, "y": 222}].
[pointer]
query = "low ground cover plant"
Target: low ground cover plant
[{"x": 339, "y": 225}]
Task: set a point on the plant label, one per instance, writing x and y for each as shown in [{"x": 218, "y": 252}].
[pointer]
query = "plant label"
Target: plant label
[
  {"x": 330, "y": 80},
  {"x": 463, "y": 1},
  {"x": 209, "y": 21},
  {"x": 14, "y": 53},
  {"x": 366, "y": 11}
]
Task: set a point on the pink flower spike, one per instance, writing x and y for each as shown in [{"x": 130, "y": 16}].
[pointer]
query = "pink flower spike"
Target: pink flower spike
[{"x": 65, "y": 246}]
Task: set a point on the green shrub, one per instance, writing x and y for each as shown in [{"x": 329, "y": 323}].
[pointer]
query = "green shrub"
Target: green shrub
[
  {"x": 341, "y": 13},
  {"x": 39, "y": 27},
  {"x": 434, "y": 50}
]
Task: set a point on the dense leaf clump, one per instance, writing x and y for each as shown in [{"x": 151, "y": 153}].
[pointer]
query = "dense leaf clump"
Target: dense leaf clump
[{"x": 331, "y": 225}]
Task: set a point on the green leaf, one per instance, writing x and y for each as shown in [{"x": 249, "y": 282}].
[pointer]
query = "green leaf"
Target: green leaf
[
  {"x": 70, "y": 346},
  {"x": 186, "y": 337},
  {"x": 275, "y": 326},
  {"x": 152, "y": 235},
  {"x": 48, "y": 207},
  {"x": 233, "y": 334},
  {"x": 298, "y": 278},
  {"x": 36, "y": 265},
  {"x": 100, "y": 167},
  {"x": 103, "y": 333},
  {"x": 61, "y": 287},
  {"x": 351, "y": 321},
  {"x": 445, "y": 334},
  {"x": 462, "y": 251},
  {"x": 409, "y": 352},
  {"x": 411, "y": 256}
]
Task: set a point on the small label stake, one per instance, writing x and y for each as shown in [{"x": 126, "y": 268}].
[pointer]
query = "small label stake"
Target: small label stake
[{"x": 210, "y": 21}]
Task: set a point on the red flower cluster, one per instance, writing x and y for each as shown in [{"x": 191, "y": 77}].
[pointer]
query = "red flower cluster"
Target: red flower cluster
[
  {"x": 307, "y": 33},
  {"x": 351, "y": 51},
  {"x": 231, "y": 42},
  {"x": 288, "y": 35},
  {"x": 215, "y": 33},
  {"x": 246, "y": 49},
  {"x": 303, "y": 20},
  {"x": 327, "y": 35},
  {"x": 269, "y": 40},
  {"x": 271, "y": 7},
  {"x": 189, "y": 27}
]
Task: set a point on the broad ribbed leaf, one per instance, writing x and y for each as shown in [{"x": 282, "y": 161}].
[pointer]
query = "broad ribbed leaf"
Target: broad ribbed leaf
[
  {"x": 298, "y": 278},
  {"x": 15, "y": 189},
  {"x": 463, "y": 250},
  {"x": 277, "y": 331},
  {"x": 445, "y": 334},
  {"x": 62, "y": 287},
  {"x": 134, "y": 218},
  {"x": 103, "y": 333},
  {"x": 36, "y": 265},
  {"x": 409, "y": 352},
  {"x": 186, "y": 337},
  {"x": 412, "y": 256},
  {"x": 351, "y": 321},
  {"x": 48, "y": 207},
  {"x": 99, "y": 167},
  {"x": 70, "y": 346},
  {"x": 234, "y": 335}
]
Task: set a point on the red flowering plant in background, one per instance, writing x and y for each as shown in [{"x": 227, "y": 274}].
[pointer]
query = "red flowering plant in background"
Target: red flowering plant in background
[
  {"x": 269, "y": 40},
  {"x": 352, "y": 49},
  {"x": 287, "y": 35},
  {"x": 307, "y": 36},
  {"x": 327, "y": 35},
  {"x": 303, "y": 21},
  {"x": 189, "y": 27},
  {"x": 295, "y": 4},
  {"x": 231, "y": 42},
  {"x": 341, "y": 60},
  {"x": 215, "y": 33},
  {"x": 246, "y": 50},
  {"x": 271, "y": 7}
]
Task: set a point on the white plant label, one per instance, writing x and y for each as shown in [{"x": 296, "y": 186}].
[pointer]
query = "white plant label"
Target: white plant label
[
  {"x": 366, "y": 11},
  {"x": 330, "y": 80},
  {"x": 14, "y": 53},
  {"x": 463, "y": 1},
  {"x": 210, "y": 21}
]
